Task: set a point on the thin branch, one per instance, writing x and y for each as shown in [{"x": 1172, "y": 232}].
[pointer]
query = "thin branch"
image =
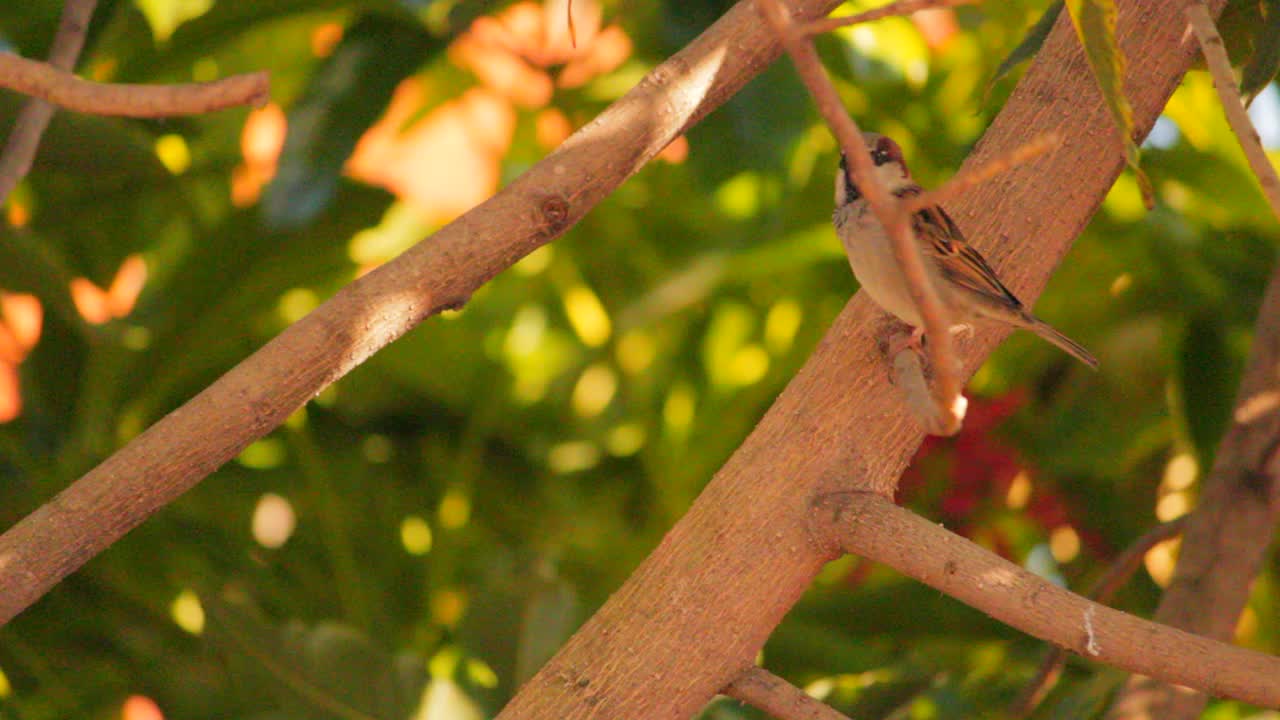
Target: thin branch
[
  {"x": 145, "y": 101},
  {"x": 24, "y": 138},
  {"x": 1116, "y": 575},
  {"x": 1215, "y": 56},
  {"x": 887, "y": 210},
  {"x": 970, "y": 179},
  {"x": 769, "y": 693},
  {"x": 901, "y": 7},
  {"x": 870, "y": 526}
]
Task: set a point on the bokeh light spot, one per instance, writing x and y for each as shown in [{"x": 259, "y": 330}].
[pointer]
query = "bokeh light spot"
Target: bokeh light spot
[
  {"x": 296, "y": 303},
  {"x": 1160, "y": 561},
  {"x": 528, "y": 326},
  {"x": 678, "y": 410},
  {"x": 324, "y": 38},
  {"x": 1173, "y": 506},
  {"x": 781, "y": 324},
  {"x": 448, "y": 606},
  {"x": 748, "y": 366},
  {"x": 455, "y": 509},
  {"x": 263, "y": 454},
  {"x": 480, "y": 673},
  {"x": 1019, "y": 493},
  {"x": 140, "y": 707},
  {"x": 273, "y": 521},
  {"x": 574, "y": 456},
  {"x": 415, "y": 535},
  {"x": 1180, "y": 473},
  {"x": 587, "y": 315},
  {"x": 594, "y": 390},
  {"x": 173, "y": 153},
  {"x": 636, "y": 350},
  {"x": 535, "y": 262},
  {"x": 1064, "y": 544},
  {"x": 187, "y": 612},
  {"x": 625, "y": 439}
]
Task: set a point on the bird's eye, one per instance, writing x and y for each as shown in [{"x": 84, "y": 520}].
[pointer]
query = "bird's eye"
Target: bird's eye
[{"x": 879, "y": 157}]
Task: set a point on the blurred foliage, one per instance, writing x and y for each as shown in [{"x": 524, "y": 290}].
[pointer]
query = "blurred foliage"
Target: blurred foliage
[{"x": 421, "y": 537}]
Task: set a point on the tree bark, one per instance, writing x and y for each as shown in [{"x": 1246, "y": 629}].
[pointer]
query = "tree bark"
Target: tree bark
[{"x": 699, "y": 608}]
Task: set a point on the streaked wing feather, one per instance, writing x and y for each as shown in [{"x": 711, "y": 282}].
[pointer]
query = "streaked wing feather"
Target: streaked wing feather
[{"x": 944, "y": 243}]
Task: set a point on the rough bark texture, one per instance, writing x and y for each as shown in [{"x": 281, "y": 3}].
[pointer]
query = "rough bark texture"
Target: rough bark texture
[
  {"x": 699, "y": 608},
  {"x": 1227, "y": 536}
]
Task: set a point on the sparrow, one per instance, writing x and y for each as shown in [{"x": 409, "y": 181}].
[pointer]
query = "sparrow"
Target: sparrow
[{"x": 965, "y": 282}]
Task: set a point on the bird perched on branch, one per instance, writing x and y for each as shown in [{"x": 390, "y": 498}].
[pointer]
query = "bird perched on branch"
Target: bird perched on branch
[{"x": 965, "y": 282}]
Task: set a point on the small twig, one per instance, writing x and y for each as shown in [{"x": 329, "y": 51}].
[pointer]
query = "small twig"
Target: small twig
[
  {"x": 887, "y": 210},
  {"x": 1215, "y": 56},
  {"x": 967, "y": 180},
  {"x": 765, "y": 691},
  {"x": 1102, "y": 591},
  {"x": 901, "y": 7},
  {"x": 73, "y": 93},
  {"x": 24, "y": 138}
]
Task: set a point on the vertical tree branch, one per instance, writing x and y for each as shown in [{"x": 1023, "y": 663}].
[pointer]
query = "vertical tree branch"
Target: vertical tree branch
[
  {"x": 1227, "y": 535},
  {"x": 24, "y": 138}
]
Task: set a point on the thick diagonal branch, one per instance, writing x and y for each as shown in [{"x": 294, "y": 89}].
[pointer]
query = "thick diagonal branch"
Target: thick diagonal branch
[{"x": 258, "y": 394}]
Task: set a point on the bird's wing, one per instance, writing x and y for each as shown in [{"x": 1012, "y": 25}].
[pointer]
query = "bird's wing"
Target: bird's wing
[{"x": 944, "y": 244}]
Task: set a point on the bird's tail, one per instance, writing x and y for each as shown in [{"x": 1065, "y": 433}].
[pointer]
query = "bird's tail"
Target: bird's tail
[{"x": 1073, "y": 348}]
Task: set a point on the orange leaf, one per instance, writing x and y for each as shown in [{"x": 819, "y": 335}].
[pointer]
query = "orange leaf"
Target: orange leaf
[
  {"x": 126, "y": 286},
  {"x": 10, "y": 397},
  {"x": 24, "y": 316},
  {"x": 90, "y": 301},
  {"x": 445, "y": 164}
]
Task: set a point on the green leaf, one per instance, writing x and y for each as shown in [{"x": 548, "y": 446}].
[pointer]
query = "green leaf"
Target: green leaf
[
  {"x": 1095, "y": 23},
  {"x": 1265, "y": 63},
  {"x": 346, "y": 95},
  {"x": 1207, "y": 375},
  {"x": 1030, "y": 44},
  {"x": 165, "y": 16}
]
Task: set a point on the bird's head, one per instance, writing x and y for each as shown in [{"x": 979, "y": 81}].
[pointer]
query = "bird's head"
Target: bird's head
[{"x": 886, "y": 158}]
